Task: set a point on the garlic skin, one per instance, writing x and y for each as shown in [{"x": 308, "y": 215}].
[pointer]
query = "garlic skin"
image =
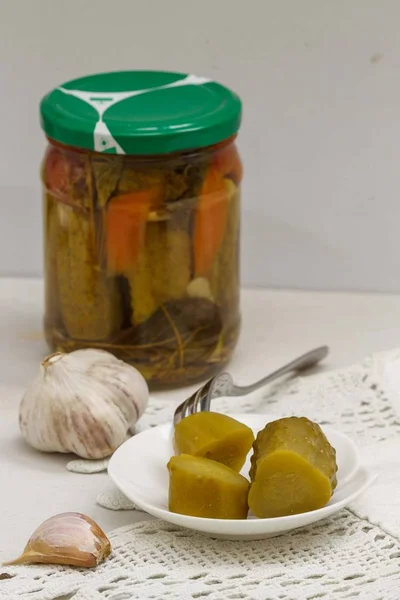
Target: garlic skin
[
  {"x": 66, "y": 539},
  {"x": 83, "y": 402}
]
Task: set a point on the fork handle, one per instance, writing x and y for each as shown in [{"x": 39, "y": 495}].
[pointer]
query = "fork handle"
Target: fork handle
[{"x": 310, "y": 359}]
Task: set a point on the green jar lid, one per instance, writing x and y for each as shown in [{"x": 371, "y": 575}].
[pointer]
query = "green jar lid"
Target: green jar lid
[{"x": 140, "y": 112}]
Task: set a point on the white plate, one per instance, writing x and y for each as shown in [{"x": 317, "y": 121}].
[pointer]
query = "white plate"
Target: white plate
[{"x": 139, "y": 469}]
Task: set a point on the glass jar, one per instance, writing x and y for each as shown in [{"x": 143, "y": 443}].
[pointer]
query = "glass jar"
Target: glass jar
[{"x": 141, "y": 183}]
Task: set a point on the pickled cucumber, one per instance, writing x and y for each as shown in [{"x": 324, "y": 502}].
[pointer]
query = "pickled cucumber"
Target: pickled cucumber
[
  {"x": 200, "y": 487},
  {"x": 214, "y": 436},
  {"x": 293, "y": 468}
]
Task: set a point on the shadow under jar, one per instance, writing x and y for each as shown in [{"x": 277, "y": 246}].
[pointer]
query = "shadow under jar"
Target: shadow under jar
[{"x": 141, "y": 183}]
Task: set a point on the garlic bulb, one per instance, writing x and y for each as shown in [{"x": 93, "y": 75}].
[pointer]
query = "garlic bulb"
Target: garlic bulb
[
  {"x": 66, "y": 539},
  {"x": 83, "y": 402}
]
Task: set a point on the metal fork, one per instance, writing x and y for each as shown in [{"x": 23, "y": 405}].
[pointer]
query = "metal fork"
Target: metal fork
[{"x": 223, "y": 385}]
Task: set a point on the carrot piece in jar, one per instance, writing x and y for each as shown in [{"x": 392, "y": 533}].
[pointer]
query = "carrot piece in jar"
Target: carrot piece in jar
[
  {"x": 126, "y": 224},
  {"x": 210, "y": 220},
  {"x": 228, "y": 162}
]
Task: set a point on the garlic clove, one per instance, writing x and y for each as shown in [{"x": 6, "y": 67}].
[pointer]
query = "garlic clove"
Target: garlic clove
[
  {"x": 83, "y": 402},
  {"x": 199, "y": 288},
  {"x": 66, "y": 539}
]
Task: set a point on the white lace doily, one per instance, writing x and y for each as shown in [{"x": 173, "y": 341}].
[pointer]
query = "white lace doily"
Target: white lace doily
[
  {"x": 341, "y": 558},
  {"x": 354, "y": 554}
]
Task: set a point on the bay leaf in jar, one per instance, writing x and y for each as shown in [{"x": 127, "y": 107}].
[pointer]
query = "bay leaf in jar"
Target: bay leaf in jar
[
  {"x": 185, "y": 181},
  {"x": 106, "y": 175},
  {"x": 195, "y": 173},
  {"x": 134, "y": 179},
  {"x": 181, "y": 333},
  {"x": 176, "y": 185}
]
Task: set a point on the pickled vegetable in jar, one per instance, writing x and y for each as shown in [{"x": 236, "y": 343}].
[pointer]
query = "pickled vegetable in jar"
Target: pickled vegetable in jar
[{"x": 141, "y": 183}]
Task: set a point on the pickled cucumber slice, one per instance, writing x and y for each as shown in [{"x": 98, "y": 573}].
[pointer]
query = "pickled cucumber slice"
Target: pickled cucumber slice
[
  {"x": 293, "y": 468},
  {"x": 214, "y": 436},
  {"x": 200, "y": 487}
]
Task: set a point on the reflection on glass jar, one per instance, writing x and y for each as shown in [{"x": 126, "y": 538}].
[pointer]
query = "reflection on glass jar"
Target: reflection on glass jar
[{"x": 142, "y": 254}]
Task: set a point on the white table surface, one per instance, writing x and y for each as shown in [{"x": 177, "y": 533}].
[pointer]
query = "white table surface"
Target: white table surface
[{"x": 277, "y": 326}]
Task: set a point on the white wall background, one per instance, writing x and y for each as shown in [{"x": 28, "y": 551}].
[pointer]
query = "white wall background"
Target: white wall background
[{"x": 320, "y": 82}]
